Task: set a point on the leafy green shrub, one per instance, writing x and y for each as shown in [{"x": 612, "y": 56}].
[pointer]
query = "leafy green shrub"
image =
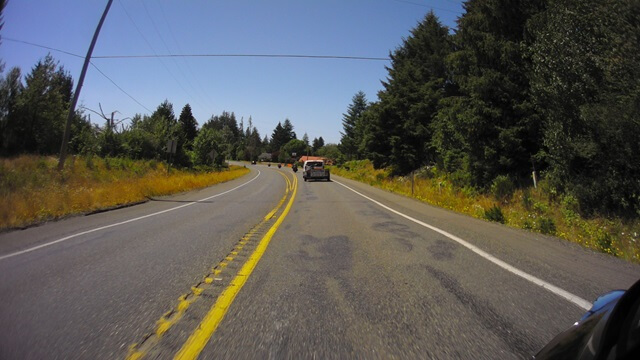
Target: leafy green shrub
[
  {"x": 425, "y": 172},
  {"x": 546, "y": 226},
  {"x": 469, "y": 192},
  {"x": 495, "y": 214},
  {"x": 570, "y": 202},
  {"x": 460, "y": 179},
  {"x": 604, "y": 242},
  {"x": 527, "y": 225},
  {"x": 502, "y": 188},
  {"x": 540, "y": 208},
  {"x": 527, "y": 201},
  {"x": 88, "y": 160}
]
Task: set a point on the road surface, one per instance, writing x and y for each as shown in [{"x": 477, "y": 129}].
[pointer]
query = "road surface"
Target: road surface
[{"x": 282, "y": 268}]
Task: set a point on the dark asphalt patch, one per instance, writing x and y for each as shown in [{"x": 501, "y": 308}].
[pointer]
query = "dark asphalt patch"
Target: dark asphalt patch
[{"x": 491, "y": 319}]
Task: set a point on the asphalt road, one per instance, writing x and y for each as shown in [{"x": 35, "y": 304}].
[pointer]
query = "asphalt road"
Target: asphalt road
[{"x": 342, "y": 277}]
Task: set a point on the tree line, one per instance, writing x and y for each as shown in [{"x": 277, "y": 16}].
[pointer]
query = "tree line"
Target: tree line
[
  {"x": 33, "y": 111},
  {"x": 521, "y": 85}
]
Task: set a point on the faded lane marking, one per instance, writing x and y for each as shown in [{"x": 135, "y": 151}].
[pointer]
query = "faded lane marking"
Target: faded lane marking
[
  {"x": 550, "y": 287},
  {"x": 120, "y": 223},
  {"x": 173, "y": 316},
  {"x": 200, "y": 337}
]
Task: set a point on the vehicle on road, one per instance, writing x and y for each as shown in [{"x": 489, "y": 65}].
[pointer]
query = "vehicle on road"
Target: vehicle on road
[
  {"x": 294, "y": 167},
  {"x": 253, "y": 162},
  {"x": 610, "y": 330},
  {"x": 315, "y": 170}
]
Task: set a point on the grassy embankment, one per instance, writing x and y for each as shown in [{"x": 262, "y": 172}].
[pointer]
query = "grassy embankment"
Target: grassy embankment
[
  {"x": 32, "y": 190},
  {"x": 531, "y": 209}
]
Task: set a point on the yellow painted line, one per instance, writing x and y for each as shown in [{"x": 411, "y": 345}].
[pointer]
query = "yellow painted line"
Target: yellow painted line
[
  {"x": 199, "y": 338},
  {"x": 275, "y": 210},
  {"x": 289, "y": 183},
  {"x": 171, "y": 317},
  {"x": 287, "y": 179}
]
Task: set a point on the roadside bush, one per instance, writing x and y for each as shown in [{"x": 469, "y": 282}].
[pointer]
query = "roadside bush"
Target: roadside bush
[
  {"x": 495, "y": 214},
  {"x": 527, "y": 201},
  {"x": 502, "y": 188},
  {"x": 546, "y": 226},
  {"x": 604, "y": 243}
]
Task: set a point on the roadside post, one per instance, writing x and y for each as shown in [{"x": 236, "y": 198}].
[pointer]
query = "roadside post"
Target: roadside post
[
  {"x": 171, "y": 148},
  {"x": 413, "y": 173}
]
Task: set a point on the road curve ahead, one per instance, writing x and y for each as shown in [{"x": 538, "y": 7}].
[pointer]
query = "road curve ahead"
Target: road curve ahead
[{"x": 270, "y": 266}]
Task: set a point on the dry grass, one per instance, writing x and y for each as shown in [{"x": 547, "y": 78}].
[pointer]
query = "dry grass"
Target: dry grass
[
  {"x": 530, "y": 209},
  {"x": 32, "y": 190}
]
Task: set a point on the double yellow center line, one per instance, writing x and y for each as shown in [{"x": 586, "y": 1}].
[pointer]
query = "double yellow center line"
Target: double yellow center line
[
  {"x": 199, "y": 338},
  {"x": 205, "y": 330}
]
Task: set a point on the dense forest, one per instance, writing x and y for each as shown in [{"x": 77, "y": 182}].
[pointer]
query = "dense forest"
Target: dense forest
[{"x": 521, "y": 85}]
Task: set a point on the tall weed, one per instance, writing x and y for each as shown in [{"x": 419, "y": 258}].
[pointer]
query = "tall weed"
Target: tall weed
[{"x": 33, "y": 190}]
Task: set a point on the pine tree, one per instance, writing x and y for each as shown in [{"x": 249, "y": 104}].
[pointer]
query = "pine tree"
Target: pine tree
[
  {"x": 317, "y": 144},
  {"x": 351, "y": 124},
  {"x": 397, "y": 132},
  {"x": 188, "y": 126},
  {"x": 41, "y": 108},
  {"x": 10, "y": 88},
  {"x": 491, "y": 128},
  {"x": 288, "y": 130}
]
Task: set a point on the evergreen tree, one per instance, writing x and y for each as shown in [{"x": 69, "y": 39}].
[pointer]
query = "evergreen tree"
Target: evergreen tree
[
  {"x": 40, "y": 109},
  {"x": 288, "y": 130},
  {"x": 10, "y": 88},
  {"x": 317, "y": 144},
  {"x": 586, "y": 66},
  {"x": 491, "y": 128},
  {"x": 278, "y": 138},
  {"x": 351, "y": 124},
  {"x": 282, "y": 134},
  {"x": 400, "y": 124},
  {"x": 188, "y": 126}
]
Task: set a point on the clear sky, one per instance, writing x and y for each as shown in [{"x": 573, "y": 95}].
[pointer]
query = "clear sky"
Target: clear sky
[{"x": 312, "y": 93}]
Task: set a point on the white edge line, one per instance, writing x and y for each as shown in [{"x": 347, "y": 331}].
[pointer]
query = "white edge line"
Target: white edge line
[
  {"x": 550, "y": 287},
  {"x": 120, "y": 223}
]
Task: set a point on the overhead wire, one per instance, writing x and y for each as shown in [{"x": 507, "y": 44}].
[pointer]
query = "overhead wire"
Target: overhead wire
[
  {"x": 82, "y": 57},
  {"x": 186, "y": 63},
  {"x": 157, "y": 31},
  {"x": 300, "y": 56},
  {"x": 121, "y": 89},
  {"x": 152, "y": 49}
]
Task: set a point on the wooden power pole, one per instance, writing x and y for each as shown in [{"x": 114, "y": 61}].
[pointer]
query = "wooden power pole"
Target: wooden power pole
[{"x": 76, "y": 95}]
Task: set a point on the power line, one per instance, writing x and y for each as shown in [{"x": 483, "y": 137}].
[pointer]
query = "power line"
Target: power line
[
  {"x": 295, "y": 56},
  {"x": 153, "y": 49},
  {"x": 185, "y": 62},
  {"x": 78, "y": 56},
  {"x": 184, "y": 77},
  {"x": 42, "y": 46},
  {"x": 116, "y": 85}
]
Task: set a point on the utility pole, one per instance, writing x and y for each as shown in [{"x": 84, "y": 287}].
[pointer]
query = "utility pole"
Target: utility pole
[{"x": 76, "y": 95}]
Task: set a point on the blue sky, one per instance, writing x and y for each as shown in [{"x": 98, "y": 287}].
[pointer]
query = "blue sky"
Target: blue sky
[{"x": 312, "y": 93}]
